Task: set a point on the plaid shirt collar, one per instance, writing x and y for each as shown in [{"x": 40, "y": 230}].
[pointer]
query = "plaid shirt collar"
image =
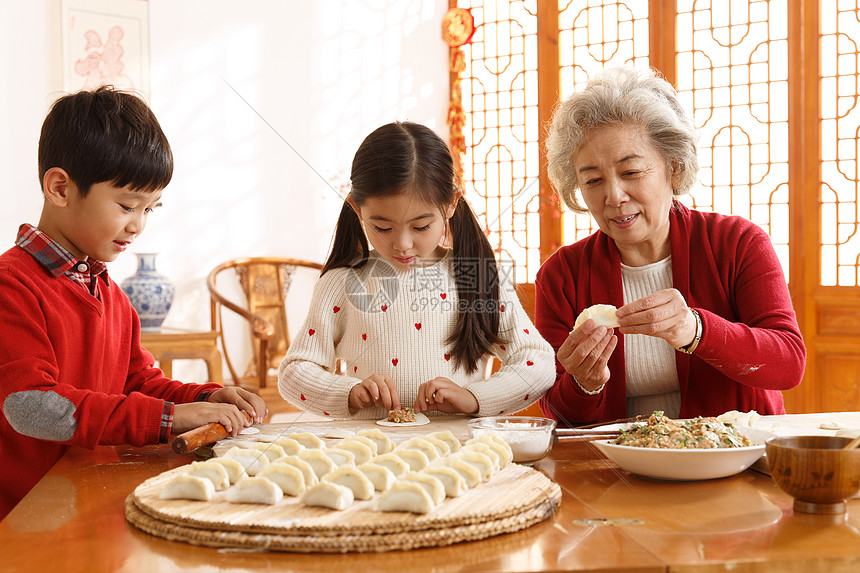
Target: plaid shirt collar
[{"x": 57, "y": 260}]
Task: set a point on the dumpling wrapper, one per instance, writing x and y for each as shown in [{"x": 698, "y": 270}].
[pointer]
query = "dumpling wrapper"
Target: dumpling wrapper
[
  {"x": 321, "y": 463},
  {"x": 255, "y": 490},
  {"x": 394, "y": 463},
  {"x": 307, "y": 469},
  {"x": 235, "y": 470},
  {"x": 453, "y": 482},
  {"x": 449, "y": 438},
  {"x": 416, "y": 459},
  {"x": 602, "y": 314},
  {"x": 380, "y": 476},
  {"x": 308, "y": 440},
  {"x": 420, "y": 420},
  {"x": 362, "y": 453},
  {"x": 340, "y": 457},
  {"x": 288, "y": 477},
  {"x": 372, "y": 444},
  {"x": 349, "y": 476},
  {"x": 434, "y": 486},
  {"x": 214, "y": 472},
  {"x": 290, "y": 446},
  {"x": 421, "y": 444},
  {"x": 405, "y": 496},
  {"x": 330, "y": 495},
  {"x": 253, "y": 460},
  {"x": 383, "y": 443},
  {"x": 188, "y": 487},
  {"x": 442, "y": 447}
]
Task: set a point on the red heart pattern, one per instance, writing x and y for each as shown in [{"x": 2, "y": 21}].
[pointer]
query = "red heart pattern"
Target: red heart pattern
[
  {"x": 502, "y": 308},
  {"x": 364, "y": 336},
  {"x": 447, "y": 357},
  {"x": 302, "y": 396},
  {"x": 529, "y": 363},
  {"x": 311, "y": 332},
  {"x": 526, "y": 330},
  {"x": 502, "y": 346},
  {"x": 527, "y": 397},
  {"x": 384, "y": 307},
  {"x": 335, "y": 309},
  {"x": 394, "y": 361},
  {"x": 355, "y": 368},
  {"x": 443, "y": 295},
  {"x": 417, "y": 326}
]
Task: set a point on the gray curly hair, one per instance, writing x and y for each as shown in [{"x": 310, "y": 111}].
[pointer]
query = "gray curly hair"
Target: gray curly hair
[{"x": 621, "y": 96}]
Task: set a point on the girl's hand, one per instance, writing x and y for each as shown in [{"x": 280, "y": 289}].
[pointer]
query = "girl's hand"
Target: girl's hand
[
  {"x": 375, "y": 390},
  {"x": 664, "y": 314},
  {"x": 195, "y": 414},
  {"x": 585, "y": 354},
  {"x": 243, "y": 399},
  {"x": 444, "y": 395}
]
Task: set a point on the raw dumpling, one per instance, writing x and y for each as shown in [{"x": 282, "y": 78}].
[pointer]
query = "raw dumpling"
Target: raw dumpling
[
  {"x": 235, "y": 470},
  {"x": 432, "y": 484},
  {"x": 362, "y": 453},
  {"x": 482, "y": 462},
  {"x": 416, "y": 459},
  {"x": 327, "y": 494},
  {"x": 739, "y": 419},
  {"x": 449, "y": 438},
  {"x": 422, "y": 445},
  {"x": 351, "y": 477},
  {"x": 321, "y": 463},
  {"x": 340, "y": 457},
  {"x": 308, "y": 440},
  {"x": 214, "y": 472},
  {"x": 306, "y": 469},
  {"x": 442, "y": 447},
  {"x": 188, "y": 487},
  {"x": 394, "y": 463},
  {"x": 272, "y": 451},
  {"x": 253, "y": 460},
  {"x": 338, "y": 433},
  {"x": 453, "y": 482},
  {"x": 380, "y": 476},
  {"x": 290, "y": 446},
  {"x": 469, "y": 472},
  {"x": 288, "y": 477},
  {"x": 486, "y": 450},
  {"x": 374, "y": 448},
  {"x": 602, "y": 314},
  {"x": 848, "y": 433},
  {"x": 498, "y": 445},
  {"x": 383, "y": 442},
  {"x": 255, "y": 490},
  {"x": 405, "y": 496}
]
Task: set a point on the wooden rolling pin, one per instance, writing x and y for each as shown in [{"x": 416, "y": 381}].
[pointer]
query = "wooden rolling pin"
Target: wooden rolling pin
[{"x": 202, "y": 436}]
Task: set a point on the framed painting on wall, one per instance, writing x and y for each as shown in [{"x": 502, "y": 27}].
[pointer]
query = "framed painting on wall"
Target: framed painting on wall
[{"x": 105, "y": 43}]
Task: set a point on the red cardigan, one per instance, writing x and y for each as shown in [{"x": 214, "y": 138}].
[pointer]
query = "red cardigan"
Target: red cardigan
[
  {"x": 81, "y": 358},
  {"x": 727, "y": 269}
]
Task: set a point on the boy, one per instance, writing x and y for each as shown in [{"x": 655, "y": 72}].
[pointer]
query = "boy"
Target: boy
[{"x": 72, "y": 371}]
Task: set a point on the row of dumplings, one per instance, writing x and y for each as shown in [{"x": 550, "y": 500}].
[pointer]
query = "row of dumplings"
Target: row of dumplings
[{"x": 415, "y": 476}]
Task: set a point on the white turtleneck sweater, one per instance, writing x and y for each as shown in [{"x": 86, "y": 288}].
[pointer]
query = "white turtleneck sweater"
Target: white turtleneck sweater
[
  {"x": 652, "y": 377},
  {"x": 383, "y": 320}
]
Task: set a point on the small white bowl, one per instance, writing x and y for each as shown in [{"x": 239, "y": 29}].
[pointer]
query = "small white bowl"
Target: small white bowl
[{"x": 530, "y": 438}]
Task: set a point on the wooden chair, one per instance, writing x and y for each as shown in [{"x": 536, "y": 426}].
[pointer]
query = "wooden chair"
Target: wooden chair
[{"x": 265, "y": 282}]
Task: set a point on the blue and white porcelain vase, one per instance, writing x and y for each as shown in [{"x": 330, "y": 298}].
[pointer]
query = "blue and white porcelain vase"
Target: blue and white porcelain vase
[{"x": 150, "y": 292}]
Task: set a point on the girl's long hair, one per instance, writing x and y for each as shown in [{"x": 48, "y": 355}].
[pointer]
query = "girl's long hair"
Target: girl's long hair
[{"x": 404, "y": 157}]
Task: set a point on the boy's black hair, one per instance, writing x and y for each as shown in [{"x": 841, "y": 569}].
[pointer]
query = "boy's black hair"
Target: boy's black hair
[{"x": 105, "y": 135}]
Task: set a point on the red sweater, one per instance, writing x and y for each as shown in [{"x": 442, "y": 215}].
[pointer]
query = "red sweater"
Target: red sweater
[
  {"x": 727, "y": 269},
  {"x": 72, "y": 373}
]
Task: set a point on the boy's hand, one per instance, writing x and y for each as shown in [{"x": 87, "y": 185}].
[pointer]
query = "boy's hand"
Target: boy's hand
[
  {"x": 195, "y": 414},
  {"x": 444, "y": 395},
  {"x": 375, "y": 390},
  {"x": 243, "y": 399}
]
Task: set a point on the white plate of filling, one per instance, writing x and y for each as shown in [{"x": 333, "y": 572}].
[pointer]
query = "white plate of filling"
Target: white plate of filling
[{"x": 684, "y": 450}]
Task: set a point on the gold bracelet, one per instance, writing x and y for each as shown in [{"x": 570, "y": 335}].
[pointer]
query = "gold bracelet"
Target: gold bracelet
[{"x": 690, "y": 348}]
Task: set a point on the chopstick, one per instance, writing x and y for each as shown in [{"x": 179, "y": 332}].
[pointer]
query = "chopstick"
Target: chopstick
[{"x": 586, "y": 434}]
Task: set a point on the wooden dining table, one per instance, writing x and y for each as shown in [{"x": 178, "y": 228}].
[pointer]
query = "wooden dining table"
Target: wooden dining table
[{"x": 608, "y": 520}]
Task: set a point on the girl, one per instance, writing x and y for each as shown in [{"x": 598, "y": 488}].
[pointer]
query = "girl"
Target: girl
[{"x": 412, "y": 323}]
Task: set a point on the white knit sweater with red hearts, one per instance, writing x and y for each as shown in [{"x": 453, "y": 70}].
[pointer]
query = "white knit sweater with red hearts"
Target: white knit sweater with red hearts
[{"x": 382, "y": 320}]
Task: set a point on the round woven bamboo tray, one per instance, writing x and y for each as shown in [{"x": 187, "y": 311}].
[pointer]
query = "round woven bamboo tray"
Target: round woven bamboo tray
[{"x": 513, "y": 499}]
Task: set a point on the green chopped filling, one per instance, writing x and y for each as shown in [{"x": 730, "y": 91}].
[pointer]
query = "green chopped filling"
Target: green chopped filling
[{"x": 697, "y": 433}]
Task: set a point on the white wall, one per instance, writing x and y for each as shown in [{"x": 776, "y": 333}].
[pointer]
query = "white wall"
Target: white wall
[{"x": 264, "y": 103}]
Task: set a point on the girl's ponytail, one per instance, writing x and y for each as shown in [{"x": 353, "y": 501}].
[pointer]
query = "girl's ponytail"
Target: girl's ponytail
[
  {"x": 477, "y": 278},
  {"x": 349, "y": 247}
]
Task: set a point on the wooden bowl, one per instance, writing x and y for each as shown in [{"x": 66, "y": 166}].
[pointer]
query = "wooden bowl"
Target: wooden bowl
[{"x": 815, "y": 471}]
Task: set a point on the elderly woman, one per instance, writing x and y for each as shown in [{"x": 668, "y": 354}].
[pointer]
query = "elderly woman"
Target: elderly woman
[{"x": 706, "y": 322}]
